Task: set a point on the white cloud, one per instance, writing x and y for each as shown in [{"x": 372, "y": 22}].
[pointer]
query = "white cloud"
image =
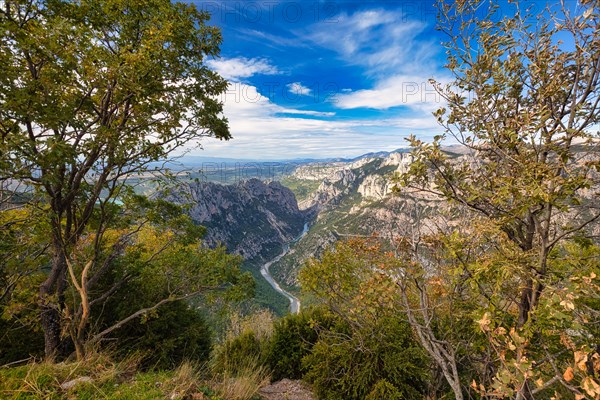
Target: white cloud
[
  {"x": 298, "y": 89},
  {"x": 241, "y": 67},
  {"x": 242, "y": 101},
  {"x": 395, "y": 57},
  {"x": 305, "y": 112},
  {"x": 394, "y": 54},
  {"x": 262, "y": 129},
  {"x": 399, "y": 90},
  {"x": 277, "y": 41}
]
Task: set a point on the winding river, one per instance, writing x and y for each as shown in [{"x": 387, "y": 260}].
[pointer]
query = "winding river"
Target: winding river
[{"x": 264, "y": 270}]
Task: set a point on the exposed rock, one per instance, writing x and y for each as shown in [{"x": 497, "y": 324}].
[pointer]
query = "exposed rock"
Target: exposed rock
[
  {"x": 287, "y": 390},
  {"x": 375, "y": 187},
  {"x": 251, "y": 218},
  {"x": 334, "y": 187},
  {"x": 361, "y": 162},
  {"x": 74, "y": 382}
]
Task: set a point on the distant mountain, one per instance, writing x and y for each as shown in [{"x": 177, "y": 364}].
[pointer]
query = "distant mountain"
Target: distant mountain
[
  {"x": 187, "y": 161},
  {"x": 251, "y": 218},
  {"x": 352, "y": 199},
  {"x": 378, "y": 154}
]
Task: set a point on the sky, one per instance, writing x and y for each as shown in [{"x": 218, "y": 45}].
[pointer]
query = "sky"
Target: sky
[{"x": 318, "y": 79}]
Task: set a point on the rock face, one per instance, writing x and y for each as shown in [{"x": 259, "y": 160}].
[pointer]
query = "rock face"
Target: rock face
[
  {"x": 333, "y": 188},
  {"x": 369, "y": 176},
  {"x": 374, "y": 187},
  {"x": 354, "y": 199},
  {"x": 251, "y": 218}
]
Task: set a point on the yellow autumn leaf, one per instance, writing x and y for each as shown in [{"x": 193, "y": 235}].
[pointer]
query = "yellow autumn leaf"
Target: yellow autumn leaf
[
  {"x": 568, "y": 305},
  {"x": 591, "y": 386},
  {"x": 539, "y": 382},
  {"x": 581, "y": 359},
  {"x": 569, "y": 375},
  {"x": 484, "y": 322}
]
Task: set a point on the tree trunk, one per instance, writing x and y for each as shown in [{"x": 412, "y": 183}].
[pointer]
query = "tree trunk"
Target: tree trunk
[
  {"x": 50, "y": 321},
  {"x": 51, "y": 296}
]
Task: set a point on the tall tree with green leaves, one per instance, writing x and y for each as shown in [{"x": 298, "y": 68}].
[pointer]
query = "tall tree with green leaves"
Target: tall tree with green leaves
[
  {"x": 525, "y": 103},
  {"x": 91, "y": 92}
]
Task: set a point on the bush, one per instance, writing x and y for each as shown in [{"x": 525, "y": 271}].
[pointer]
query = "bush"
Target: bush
[
  {"x": 384, "y": 390},
  {"x": 177, "y": 334},
  {"x": 246, "y": 344},
  {"x": 237, "y": 353},
  {"x": 239, "y": 364},
  {"x": 293, "y": 339},
  {"x": 350, "y": 365}
]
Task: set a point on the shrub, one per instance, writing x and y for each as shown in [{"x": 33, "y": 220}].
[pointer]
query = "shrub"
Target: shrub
[
  {"x": 293, "y": 339},
  {"x": 246, "y": 344},
  {"x": 384, "y": 390},
  {"x": 351, "y": 365},
  {"x": 238, "y": 353},
  {"x": 239, "y": 364},
  {"x": 178, "y": 333}
]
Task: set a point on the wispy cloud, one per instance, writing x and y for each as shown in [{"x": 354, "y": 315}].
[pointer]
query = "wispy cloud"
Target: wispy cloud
[
  {"x": 381, "y": 60},
  {"x": 244, "y": 104},
  {"x": 378, "y": 39},
  {"x": 394, "y": 54},
  {"x": 292, "y": 41},
  {"x": 241, "y": 67}
]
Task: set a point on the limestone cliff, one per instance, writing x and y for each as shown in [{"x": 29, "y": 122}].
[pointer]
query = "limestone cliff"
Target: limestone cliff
[{"x": 251, "y": 218}]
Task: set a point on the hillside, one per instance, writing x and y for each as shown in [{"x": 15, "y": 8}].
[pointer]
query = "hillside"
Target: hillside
[
  {"x": 353, "y": 199},
  {"x": 251, "y": 218}
]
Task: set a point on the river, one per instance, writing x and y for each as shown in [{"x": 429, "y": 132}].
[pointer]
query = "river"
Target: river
[{"x": 264, "y": 270}]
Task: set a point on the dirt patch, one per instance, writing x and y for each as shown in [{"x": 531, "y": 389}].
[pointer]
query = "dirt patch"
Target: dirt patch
[{"x": 287, "y": 390}]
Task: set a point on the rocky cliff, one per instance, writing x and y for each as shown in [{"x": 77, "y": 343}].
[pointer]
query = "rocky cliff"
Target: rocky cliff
[
  {"x": 353, "y": 199},
  {"x": 251, "y": 218}
]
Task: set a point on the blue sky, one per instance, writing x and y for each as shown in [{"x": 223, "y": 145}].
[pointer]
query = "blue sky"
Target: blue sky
[{"x": 325, "y": 78}]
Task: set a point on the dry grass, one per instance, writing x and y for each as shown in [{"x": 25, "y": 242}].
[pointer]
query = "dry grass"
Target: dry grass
[
  {"x": 261, "y": 323},
  {"x": 245, "y": 383},
  {"x": 185, "y": 381},
  {"x": 44, "y": 379}
]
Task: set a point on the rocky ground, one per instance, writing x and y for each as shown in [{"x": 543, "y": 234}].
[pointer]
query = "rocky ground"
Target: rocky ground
[{"x": 287, "y": 390}]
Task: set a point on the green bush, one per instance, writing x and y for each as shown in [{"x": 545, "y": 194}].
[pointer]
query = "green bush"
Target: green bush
[
  {"x": 238, "y": 352},
  {"x": 383, "y": 390},
  {"x": 293, "y": 339},
  {"x": 176, "y": 334},
  {"x": 18, "y": 342},
  {"x": 349, "y": 364}
]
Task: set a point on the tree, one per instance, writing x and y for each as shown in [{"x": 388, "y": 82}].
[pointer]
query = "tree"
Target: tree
[
  {"x": 525, "y": 104},
  {"x": 91, "y": 93},
  {"x": 161, "y": 262}
]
